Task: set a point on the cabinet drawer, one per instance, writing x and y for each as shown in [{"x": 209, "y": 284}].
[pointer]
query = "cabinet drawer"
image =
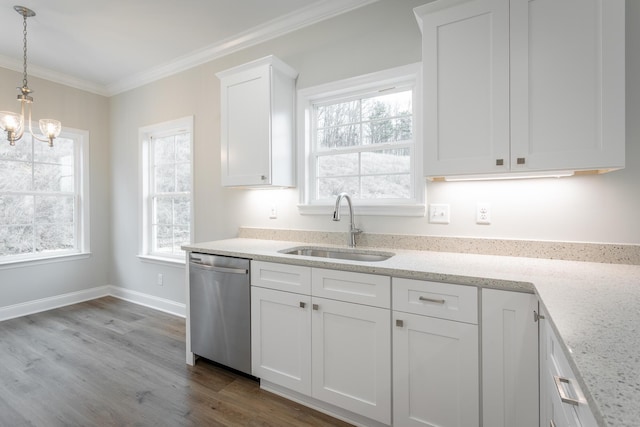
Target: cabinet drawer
[
  {"x": 283, "y": 277},
  {"x": 360, "y": 288},
  {"x": 442, "y": 300},
  {"x": 564, "y": 385}
]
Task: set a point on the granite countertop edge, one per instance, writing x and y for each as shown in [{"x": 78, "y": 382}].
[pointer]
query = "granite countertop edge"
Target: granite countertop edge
[{"x": 585, "y": 302}]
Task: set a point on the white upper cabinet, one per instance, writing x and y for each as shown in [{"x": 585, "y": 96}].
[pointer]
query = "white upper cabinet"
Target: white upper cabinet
[
  {"x": 465, "y": 56},
  {"x": 523, "y": 85},
  {"x": 257, "y": 124}
]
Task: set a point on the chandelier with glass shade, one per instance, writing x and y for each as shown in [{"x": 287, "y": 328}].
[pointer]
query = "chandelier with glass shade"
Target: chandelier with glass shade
[{"x": 14, "y": 124}]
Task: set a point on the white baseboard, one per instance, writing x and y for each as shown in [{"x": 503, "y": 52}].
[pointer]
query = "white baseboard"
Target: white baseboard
[
  {"x": 157, "y": 303},
  {"x": 44, "y": 304}
]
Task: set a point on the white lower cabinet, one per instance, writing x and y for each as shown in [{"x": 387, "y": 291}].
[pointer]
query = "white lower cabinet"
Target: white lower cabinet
[
  {"x": 509, "y": 359},
  {"x": 335, "y": 352},
  {"x": 435, "y": 359},
  {"x": 562, "y": 403},
  {"x": 435, "y": 372},
  {"x": 281, "y": 338},
  {"x": 352, "y": 345},
  {"x": 352, "y": 357}
]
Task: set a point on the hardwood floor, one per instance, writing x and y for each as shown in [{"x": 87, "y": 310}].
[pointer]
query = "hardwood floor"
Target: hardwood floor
[{"x": 108, "y": 362}]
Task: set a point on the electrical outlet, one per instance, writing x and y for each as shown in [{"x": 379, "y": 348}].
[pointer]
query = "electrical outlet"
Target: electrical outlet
[
  {"x": 439, "y": 214},
  {"x": 160, "y": 279},
  {"x": 483, "y": 213},
  {"x": 273, "y": 212}
]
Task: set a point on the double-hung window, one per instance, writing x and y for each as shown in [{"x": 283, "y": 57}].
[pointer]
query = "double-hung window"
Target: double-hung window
[
  {"x": 44, "y": 198},
  {"x": 167, "y": 183},
  {"x": 362, "y": 137}
]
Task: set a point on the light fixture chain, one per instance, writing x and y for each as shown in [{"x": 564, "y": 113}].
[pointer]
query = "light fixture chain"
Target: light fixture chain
[{"x": 24, "y": 50}]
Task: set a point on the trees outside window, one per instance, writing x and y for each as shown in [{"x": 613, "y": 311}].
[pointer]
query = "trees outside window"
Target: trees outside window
[
  {"x": 167, "y": 183},
  {"x": 361, "y": 137},
  {"x": 44, "y": 197}
]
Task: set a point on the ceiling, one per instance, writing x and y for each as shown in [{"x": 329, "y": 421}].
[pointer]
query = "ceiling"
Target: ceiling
[{"x": 111, "y": 46}]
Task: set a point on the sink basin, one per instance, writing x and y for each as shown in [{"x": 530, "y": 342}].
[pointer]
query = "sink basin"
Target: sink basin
[{"x": 339, "y": 253}]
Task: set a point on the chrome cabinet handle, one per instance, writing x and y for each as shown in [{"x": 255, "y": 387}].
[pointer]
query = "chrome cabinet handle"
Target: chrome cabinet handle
[
  {"x": 552, "y": 424},
  {"x": 563, "y": 396},
  {"x": 434, "y": 300},
  {"x": 302, "y": 304}
]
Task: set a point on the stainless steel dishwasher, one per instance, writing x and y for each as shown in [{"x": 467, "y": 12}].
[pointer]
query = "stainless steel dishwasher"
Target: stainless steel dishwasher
[{"x": 220, "y": 309}]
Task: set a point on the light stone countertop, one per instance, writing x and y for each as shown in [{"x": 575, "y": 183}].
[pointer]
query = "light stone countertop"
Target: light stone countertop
[{"x": 594, "y": 307}]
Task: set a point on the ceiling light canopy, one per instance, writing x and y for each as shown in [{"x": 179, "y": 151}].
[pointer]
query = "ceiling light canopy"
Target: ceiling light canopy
[{"x": 14, "y": 124}]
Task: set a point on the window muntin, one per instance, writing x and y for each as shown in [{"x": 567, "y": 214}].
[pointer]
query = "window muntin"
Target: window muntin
[
  {"x": 315, "y": 197},
  {"x": 171, "y": 195},
  {"x": 41, "y": 201},
  {"x": 167, "y": 181},
  {"x": 364, "y": 146}
]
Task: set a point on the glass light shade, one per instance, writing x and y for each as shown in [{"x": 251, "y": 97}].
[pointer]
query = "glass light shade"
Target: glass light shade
[
  {"x": 50, "y": 128},
  {"x": 11, "y": 123}
]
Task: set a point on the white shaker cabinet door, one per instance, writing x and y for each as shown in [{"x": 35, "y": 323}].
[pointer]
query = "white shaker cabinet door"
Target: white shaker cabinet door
[
  {"x": 257, "y": 123},
  {"x": 435, "y": 372},
  {"x": 466, "y": 87},
  {"x": 352, "y": 357},
  {"x": 281, "y": 338},
  {"x": 246, "y": 137},
  {"x": 567, "y": 84},
  {"x": 509, "y": 359}
]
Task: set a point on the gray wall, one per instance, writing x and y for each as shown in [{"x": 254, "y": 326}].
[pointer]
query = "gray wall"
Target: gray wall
[
  {"x": 376, "y": 37},
  {"x": 80, "y": 110}
]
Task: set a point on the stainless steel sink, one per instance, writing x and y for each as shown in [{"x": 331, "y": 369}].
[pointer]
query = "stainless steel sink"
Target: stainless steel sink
[{"x": 338, "y": 253}]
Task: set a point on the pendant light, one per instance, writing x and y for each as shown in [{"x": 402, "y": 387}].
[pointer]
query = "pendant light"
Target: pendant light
[{"x": 14, "y": 124}]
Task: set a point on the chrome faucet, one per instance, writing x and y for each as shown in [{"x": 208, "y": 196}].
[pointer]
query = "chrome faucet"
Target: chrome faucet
[{"x": 352, "y": 226}]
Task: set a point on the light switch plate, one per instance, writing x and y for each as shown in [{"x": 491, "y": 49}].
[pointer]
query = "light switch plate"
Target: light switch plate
[{"x": 439, "y": 214}]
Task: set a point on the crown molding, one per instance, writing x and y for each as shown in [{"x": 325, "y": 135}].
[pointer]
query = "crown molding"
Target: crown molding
[
  {"x": 304, "y": 17},
  {"x": 54, "y": 76},
  {"x": 275, "y": 28}
]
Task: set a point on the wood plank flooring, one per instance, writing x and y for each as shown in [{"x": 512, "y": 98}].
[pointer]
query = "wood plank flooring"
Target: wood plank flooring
[{"x": 108, "y": 362}]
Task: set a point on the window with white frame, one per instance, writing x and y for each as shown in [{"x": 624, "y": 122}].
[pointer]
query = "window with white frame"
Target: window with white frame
[
  {"x": 360, "y": 137},
  {"x": 44, "y": 197},
  {"x": 167, "y": 183}
]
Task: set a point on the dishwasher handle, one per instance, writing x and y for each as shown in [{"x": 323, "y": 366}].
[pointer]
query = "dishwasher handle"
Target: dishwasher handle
[{"x": 219, "y": 269}]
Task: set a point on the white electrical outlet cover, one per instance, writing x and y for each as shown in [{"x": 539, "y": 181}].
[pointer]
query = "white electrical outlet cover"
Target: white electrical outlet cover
[{"x": 483, "y": 213}]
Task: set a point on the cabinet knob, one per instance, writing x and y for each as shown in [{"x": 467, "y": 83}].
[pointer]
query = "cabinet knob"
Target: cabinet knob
[
  {"x": 316, "y": 307},
  {"x": 499, "y": 162},
  {"x": 399, "y": 323},
  {"x": 263, "y": 177},
  {"x": 302, "y": 304},
  {"x": 520, "y": 160}
]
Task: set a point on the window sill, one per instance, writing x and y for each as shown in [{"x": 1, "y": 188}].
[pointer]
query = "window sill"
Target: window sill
[
  {"x": 172, "y": 262},
  {"x": 30, "y": 262},
  {"x": 417, "y": 210}
]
